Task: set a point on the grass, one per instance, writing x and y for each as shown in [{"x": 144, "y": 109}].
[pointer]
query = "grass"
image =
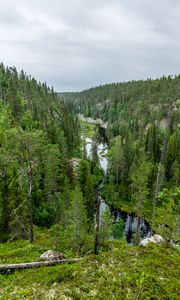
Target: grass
[
  {"x": 87, "y": 129},
  {"x": 23, "y": 251},
  {"x": 125, "y": 273}
]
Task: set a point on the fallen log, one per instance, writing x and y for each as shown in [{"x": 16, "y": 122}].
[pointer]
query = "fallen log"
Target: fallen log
[{"x": 11, "y": 267}]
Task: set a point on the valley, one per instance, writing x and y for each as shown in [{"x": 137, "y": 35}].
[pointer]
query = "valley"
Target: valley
[{"x": 84, "y": 173}]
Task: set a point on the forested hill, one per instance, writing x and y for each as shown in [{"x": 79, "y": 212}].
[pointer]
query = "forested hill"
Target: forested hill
[
  {"x": 132, "y": 105},
  {"x": 51, "y": 189},
  {"x": 144, "y": 159},
  {"x": 38, "y": 137},
  {"x": 34, "y": 106}
]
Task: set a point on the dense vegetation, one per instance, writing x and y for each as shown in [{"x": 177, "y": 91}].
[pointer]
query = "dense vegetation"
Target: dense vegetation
[
  {"x": 48, "y": 184},
  {"x": 125, "y": 273},
  {"x": 144, "y": 158},
  {"x": 40, "y": 184}
]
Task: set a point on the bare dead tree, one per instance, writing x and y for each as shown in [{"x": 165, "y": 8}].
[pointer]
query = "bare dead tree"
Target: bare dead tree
[
  {"x": 30, "y": 194},
  {"x": 97, "y": 227}
]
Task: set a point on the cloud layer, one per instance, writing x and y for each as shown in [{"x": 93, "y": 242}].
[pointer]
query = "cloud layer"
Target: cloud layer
[{"x": 76, "y": 44}]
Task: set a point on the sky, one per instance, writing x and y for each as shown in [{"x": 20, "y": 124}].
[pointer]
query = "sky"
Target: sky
[{"x": 77, "y": 44}]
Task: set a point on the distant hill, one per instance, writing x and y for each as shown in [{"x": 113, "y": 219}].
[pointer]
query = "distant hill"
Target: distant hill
[{"x": 138, "y": 102}]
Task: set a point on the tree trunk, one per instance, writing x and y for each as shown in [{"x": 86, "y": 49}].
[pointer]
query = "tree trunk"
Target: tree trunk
[
  {"x": 97, "y": 225},
  {"x": 10, "y": 267},
  {"x": 30, "y": 179}
]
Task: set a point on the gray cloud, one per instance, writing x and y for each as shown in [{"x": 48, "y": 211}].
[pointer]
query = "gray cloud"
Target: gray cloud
[{"x": 75, "y": 44}]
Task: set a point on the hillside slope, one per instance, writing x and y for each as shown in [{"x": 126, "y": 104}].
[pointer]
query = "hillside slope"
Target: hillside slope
[
  {"x": 126, "y": 273},
  {"x": 38, "y": 137},
  {"x": 143, "y": 129}
]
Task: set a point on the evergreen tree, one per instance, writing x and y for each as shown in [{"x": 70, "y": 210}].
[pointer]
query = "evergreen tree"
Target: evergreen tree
[
  {"x": 140, "y": 170},
  {"x": 78, "y": 226}
]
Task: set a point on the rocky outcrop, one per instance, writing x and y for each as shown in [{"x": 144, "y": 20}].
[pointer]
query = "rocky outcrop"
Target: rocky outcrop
[
  {"x": 51, "y": 255},
  {"x": 153, "y": 239},
  {"x": 93, "y": 121}
]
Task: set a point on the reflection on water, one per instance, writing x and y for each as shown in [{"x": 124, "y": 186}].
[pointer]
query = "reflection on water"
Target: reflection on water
[
  {"x": 102, "y": 151},
  {"x": 130, "y": 220}
]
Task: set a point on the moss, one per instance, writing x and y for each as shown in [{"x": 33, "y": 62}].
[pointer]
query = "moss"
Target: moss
[{"x": 127, "y": 272}]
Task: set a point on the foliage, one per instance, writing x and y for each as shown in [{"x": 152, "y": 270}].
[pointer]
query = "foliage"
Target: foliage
[
  {"x": 144, "y": 140},
  {"x": 168, "y": 214},
  {"x": 40, "y": 185},
  {"x": 38, "y": 137},
  {"x": 126, "y": 272},
  {"x": 106, "y": 226},
  {"x": 118, "y": 229}
]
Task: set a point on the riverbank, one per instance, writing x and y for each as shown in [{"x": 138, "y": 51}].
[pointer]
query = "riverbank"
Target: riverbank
[
  {"x": 127, "y": 218},
  {"x": 90, "y": 120}
]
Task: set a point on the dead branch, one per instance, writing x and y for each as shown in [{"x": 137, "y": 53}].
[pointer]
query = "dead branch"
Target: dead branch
[{"x": 11, "y": 267}]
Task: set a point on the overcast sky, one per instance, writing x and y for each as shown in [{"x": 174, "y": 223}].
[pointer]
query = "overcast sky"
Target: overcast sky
[{"x": 76, "y": 44}]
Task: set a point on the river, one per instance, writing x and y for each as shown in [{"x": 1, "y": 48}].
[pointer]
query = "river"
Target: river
[{"x": 130, "y": 221}]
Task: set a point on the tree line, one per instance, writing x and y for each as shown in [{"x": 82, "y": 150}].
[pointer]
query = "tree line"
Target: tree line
[
  {"x": 39, "y": 183},
  {"x": 144, "y": 153}
]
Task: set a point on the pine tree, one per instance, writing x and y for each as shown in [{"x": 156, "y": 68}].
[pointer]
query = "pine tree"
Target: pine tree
[
  {"x": 78, "y": 226},
  {"x": 140, "y": 171}
]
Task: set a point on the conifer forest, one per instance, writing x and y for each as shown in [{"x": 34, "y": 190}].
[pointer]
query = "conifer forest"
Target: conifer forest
[{"x": 90, "y": 175}]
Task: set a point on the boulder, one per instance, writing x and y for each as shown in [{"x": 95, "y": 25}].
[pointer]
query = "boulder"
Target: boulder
[
  {"x": 51, "y": 255},
  {"x": 153, "y": 239}
]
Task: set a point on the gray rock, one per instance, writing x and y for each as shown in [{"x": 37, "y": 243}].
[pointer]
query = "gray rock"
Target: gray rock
[
  {"x": 158, "y": 239},
  {"x": 52, "y": 255}
]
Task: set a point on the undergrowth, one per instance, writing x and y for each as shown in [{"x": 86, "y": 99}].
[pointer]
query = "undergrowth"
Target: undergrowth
[{"x": 126, "y": 272}]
